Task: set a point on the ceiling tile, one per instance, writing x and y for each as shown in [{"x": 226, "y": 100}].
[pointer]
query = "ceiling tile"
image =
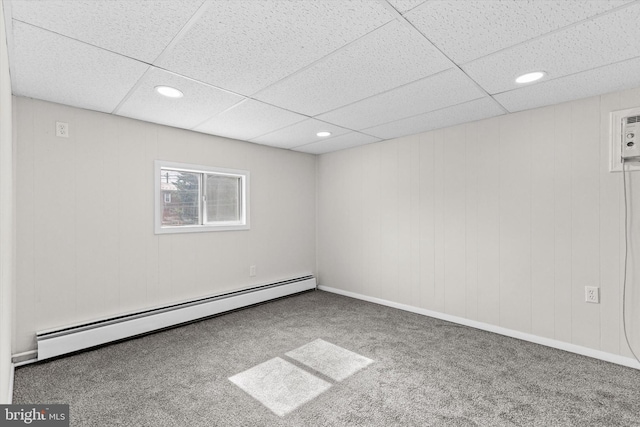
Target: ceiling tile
[
  {"x": 249, "y": 119},
  {"x": 390, "y": 56},
  {"x": 448, "y": 88},
  {"x": 611, "y": 78},
  {"x": 299, "y": 134},
  {"x": 466, "y": 30},
  {"x": 468, "y": 112},
  {"x": 245, "y": 46},
  {"x": 604, "y": 40},
  {"x": 88, "y": 77},
  {"x": 348, "y": 140},
  {"x": 403, "y": 6},
  {"x": 199, "y": 102},
  {"x": 355, "y": 66},
  {"x": 139, "y": 29}
]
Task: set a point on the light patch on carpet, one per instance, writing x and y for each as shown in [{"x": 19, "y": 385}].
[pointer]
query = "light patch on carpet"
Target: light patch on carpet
[
  {"x": 331, "y": 360},
  {"x": 279, "y": 385}
]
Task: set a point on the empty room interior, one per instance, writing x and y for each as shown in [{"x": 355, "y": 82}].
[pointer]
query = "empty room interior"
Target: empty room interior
[{"x": 320, "y": 212}]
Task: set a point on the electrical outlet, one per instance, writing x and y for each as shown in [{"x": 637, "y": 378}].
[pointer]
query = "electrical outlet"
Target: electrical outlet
[
  {"x": 62, "y": 129},
  {"x": 252, "y": 271},
  {"x": 592, "y": 294}
]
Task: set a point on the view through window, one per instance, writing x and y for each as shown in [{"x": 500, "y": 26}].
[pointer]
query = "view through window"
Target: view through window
[{"x": 199, "y": 198}]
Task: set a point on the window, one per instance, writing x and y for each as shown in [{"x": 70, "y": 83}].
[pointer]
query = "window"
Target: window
[{"x": 193, "y": 198}]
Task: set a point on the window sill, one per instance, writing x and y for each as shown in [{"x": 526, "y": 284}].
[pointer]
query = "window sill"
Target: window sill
[{"x": 201, "y": 228}]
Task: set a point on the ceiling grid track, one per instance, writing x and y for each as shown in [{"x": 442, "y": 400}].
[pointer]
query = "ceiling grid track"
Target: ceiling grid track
[
  {"x": 185, "y": 28},
  {"x": 275, "y": 73},
  {"x": 401, "y": 18}
]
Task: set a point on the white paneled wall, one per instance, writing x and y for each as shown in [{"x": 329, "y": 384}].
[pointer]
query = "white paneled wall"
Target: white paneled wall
[
  {"x": 502, "y": 221},
  {"x": 85, "y": 242},
  {"x": 6, "y": 218}
]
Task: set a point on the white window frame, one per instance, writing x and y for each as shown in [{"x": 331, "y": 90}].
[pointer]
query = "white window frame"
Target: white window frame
[{"x": 243, "y": 224}]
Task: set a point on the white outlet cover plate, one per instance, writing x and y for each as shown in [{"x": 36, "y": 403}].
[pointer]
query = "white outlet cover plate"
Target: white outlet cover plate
[
  {"x": 62, "y": 129},
  {"x": 588, "y": 290}
]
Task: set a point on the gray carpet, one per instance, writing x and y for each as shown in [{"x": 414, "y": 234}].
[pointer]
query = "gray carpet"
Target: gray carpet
[{"x": 425, "y": 372}]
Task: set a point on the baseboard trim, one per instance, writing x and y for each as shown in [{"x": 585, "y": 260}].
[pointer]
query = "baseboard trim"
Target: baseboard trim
[
  {"x": 572, "y": 348},
  {"x": 24, "y": 362},
  {"x": 19, "y": 358}
]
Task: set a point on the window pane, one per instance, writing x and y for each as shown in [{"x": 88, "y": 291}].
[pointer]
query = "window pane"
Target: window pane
[
  {"x": 180, "y": 197},
  {"x": 223, "y": 195}
]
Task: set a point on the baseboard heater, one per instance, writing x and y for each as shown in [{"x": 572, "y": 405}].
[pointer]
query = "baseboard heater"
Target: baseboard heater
[{"x": 68, "y": 340}]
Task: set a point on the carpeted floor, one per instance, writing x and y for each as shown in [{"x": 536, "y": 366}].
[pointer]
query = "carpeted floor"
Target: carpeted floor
[{"x": 424, "y": 372}]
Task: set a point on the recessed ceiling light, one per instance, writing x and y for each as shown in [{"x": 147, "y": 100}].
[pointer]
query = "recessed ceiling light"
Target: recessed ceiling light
[
  {"x": 531, "y": 77},
  {"x": 168, "y": 91},
  {"x": 323, "y": 133}
]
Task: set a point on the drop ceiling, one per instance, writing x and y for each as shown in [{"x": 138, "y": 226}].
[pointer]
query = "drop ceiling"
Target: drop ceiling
[{"x": 276, "y": 72}]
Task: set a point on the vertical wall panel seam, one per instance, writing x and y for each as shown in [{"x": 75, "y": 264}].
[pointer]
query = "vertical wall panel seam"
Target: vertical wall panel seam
[
  {"x": 499, "y": 222},
  {"x": 433, "y": 219},
  {"x": 443, "y": 211},
  {"x": 530, "y": 116},
  {"x": 76, "y": 206},
  {"x": 466, "y": 215},
  {"x": 361, "y": 223},
  {"x": 621, "y": 272},
  {"x": 150, "y": 141},
  {"x": 33, "y": 211},
  {"x": 477, "y": 223},
  {"x": 421, "y": 223},
  {"x": 397, "y": 220},
  {"x": 555, "y": 209},
  {"x": 571, "y": 189},
  {"x": 380, "y": 250},
  {"x": 622, "y": 345},
  {"x": 599, "y": 235},
  {"x": 119, "y": 252},
  {"x": 317, "y": 221},
  {"x": 417, "y": 230},
  {"x": 418, "y": 219}
]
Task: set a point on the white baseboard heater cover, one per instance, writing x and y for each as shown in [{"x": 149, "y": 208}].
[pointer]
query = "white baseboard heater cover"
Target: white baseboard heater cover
[{"x": 68, "y": 340}]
